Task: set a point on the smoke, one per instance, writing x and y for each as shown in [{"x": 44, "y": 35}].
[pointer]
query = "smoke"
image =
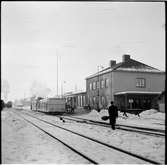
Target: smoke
[{"x": 39, "y": 89}]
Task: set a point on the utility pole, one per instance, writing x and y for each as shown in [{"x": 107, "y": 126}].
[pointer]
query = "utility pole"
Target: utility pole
[
  {"x": 98, "y": 92},
  {"x": 57, "y": 73}
]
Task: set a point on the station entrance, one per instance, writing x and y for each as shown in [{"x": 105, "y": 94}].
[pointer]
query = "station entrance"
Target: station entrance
[{"x": 135, "y": 100}]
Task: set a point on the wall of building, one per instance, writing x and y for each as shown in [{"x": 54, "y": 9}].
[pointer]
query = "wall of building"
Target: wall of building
[
  {"x": 120, "y": 81},
  {"x": 126, "y": 81},
  {"x": 103, "y": 92}
]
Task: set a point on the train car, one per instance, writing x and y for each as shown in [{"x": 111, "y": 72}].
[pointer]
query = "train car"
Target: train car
[{"x": 49, "y": 105}]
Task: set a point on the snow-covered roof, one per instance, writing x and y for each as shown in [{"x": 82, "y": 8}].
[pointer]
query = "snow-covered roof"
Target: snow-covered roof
[
  {"x": 130, "y": 66},
  {"x": 139, "y": 70},
  {"x": 76, "y": 92},
  {"x": 136, "y": 92}
]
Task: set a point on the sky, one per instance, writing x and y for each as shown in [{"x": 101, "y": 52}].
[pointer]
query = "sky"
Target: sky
[{"x": 78, "y": 36}]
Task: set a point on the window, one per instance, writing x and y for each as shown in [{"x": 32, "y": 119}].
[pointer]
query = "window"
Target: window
[
  {"x": 90, "y": 100},
  {"x": 78, "y": 101},
  {"x": 140, "y": 83},
  {"x": 103, "y": 100},
  {"x": 90, "y": 86},
  {"x": 97, "y": 84},
  {"x": 94, "y": 100},
  {"x": 102, "y": 83},
  {"x": 84, "y": 100},
  {"x": 81, "y": 104},
  {"x": 94, "y": 85},
  {"x": 106, "y": 83}
]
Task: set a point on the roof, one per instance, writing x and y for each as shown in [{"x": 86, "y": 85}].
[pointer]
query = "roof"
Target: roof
[
  {"x": 75, "y": 93},
  {"x": 130, "y": 66},
  {"x": 136, "y": 92}
]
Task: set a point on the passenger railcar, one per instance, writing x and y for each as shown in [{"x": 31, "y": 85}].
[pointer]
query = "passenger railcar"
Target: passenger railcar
[{"x": 49, "y": 105}]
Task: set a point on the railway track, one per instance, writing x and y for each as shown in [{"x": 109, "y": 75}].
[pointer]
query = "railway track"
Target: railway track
[
  {"x": 151, "y": 131},
  {"x": 147, "y": 131},
  {"x": 98, "y": 152},
  {"x": 137, "y": 129}
]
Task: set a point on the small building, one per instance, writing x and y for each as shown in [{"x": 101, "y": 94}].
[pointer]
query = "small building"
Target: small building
[
  {"x": 130, "y": 84},
  {"x": 77, "y": 99}
]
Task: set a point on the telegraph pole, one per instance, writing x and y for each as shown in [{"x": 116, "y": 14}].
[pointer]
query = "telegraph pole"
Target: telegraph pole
[{"x": 57, "y": 74}]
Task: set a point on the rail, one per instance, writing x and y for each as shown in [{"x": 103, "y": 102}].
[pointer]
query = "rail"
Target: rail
[{"x": 99, "y": 142}]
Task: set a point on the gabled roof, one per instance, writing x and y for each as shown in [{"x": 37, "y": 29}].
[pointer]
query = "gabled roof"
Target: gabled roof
[
  {"x": 129, "y": 65},
  {"x": 133, "y": 65}
]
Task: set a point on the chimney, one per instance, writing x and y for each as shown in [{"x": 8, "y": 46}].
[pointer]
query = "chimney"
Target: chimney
[
  {"x": 112, "y": 63},
  {"x": 125, "y": 57}
]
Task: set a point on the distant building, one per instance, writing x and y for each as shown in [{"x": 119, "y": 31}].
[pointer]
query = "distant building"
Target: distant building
[{"x": 130, "y": 83}]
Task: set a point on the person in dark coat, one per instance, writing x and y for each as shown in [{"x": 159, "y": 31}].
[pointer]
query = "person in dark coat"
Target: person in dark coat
[{"x": 113, "y": 114}]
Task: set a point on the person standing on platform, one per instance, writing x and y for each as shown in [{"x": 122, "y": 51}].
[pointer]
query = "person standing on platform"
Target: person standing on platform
[{"x": 113, "y": 114}]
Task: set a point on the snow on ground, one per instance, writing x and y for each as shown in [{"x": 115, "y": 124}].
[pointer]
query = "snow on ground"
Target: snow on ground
[
  {"x": 150, "y": 118},
  {"x": 147, "y": 146},
  {"x": 22, "y": 143}
]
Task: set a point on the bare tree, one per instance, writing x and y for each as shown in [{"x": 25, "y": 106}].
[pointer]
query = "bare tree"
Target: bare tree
[{"x": 5, "y": 89}]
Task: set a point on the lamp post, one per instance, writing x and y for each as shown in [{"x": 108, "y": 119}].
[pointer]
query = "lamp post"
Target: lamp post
[{"x": 98, "y": 92}]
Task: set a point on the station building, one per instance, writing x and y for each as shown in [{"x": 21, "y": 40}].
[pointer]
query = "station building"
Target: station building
[
  {"x": 77, "y": 99},
  {"x": 130, "y": 84}
]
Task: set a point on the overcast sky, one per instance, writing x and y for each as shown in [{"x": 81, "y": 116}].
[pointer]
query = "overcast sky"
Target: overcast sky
[{"x": 82, "y": 34}]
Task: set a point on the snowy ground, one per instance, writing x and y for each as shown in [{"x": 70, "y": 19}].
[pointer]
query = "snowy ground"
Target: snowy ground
[
  {"x": 22, "y": 143},
  {"x": 150, "y": 118}
]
